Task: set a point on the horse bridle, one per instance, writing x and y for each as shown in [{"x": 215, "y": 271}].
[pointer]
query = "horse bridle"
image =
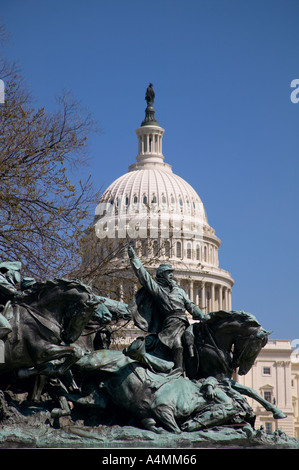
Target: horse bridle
[{"x": 247, "y": 340}]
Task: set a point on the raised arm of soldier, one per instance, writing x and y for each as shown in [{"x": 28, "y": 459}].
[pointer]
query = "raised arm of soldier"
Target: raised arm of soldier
[{"x": 143, "y": 276}]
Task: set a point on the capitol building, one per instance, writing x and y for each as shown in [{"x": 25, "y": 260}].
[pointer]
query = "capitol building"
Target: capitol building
[{"x": 165, "y": 219}]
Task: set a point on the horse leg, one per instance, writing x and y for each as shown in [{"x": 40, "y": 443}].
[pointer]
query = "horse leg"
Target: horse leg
[
  {"x": 43, "y": 355},
  {"x": 69, "y": 382},
  {"x": 38, "y": 387},
  {"x": 249, "y": 392},
  {"x": 69, "y": 361},
  {"x": 63, "y": 411}
]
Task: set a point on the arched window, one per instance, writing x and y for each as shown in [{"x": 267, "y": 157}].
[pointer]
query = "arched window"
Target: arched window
[
  {"x": 189, "y": 251},
  {"x": 135, "y": 200},
  {"x": 188, "y": 206},
  {"x": 156, "y": 248},
  {"x": 144, "y": 200},
  {"x": 178, "y": 249},
  {"x": 205, "y": 257},
  {"x": 197, "y": 252},
  {"x": 154, "y": 199}
]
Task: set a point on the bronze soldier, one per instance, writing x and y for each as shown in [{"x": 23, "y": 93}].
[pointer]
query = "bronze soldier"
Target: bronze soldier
[{"x": 166, "y": 315}]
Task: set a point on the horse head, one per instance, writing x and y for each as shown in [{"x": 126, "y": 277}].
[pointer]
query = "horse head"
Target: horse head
[
  {"x": 77, "y": 317},
  {"x": 247, "y": 348},
  {"x": 74, "y": 304}
]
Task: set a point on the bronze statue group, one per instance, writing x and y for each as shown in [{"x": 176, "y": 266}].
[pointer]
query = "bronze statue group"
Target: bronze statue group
[{"x": 177, "y": 376}]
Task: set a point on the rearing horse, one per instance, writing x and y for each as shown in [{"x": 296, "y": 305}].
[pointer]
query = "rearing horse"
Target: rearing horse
[
  {"x": 45, "y": 320},
  {"x": 227, "y": 341}
]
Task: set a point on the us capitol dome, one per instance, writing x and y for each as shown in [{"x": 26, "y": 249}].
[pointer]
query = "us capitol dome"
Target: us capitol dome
[{"x": 159, "y": 213}]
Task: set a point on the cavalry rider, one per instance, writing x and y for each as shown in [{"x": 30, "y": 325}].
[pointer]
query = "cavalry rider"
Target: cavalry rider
[
  {"x": 161, "y": 306},
  {"x": 9, "y": 279}
]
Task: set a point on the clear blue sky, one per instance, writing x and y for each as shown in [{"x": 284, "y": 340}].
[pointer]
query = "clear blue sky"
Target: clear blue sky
[{"x": 221, "y": 71}]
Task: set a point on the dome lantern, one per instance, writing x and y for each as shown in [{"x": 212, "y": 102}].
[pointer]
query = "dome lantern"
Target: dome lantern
[{"x": 149, "y": 138}]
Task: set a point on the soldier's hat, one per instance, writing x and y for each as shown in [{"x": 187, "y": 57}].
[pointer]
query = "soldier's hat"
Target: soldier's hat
[{"x": 162, "y": 268}]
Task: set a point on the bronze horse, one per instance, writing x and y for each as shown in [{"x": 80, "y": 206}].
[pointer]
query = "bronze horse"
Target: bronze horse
[
  {"x": 45, "y": 320},
  {"x": 223, "y": 342},
  {"x": 228, "y": 341}
]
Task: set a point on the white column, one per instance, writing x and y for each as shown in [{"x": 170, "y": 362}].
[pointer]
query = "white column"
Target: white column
[
  {"x": 212, "y": 297},
  {"x": 191, "y": 291},
  {"x": 223, "y": 298},
  {"x": 217, "y": 288},
  {"x": 203, "y": 297},
  {"x": 220, "y": 297},
  {"x": 227, "y": 299},
  {"x": 197, "y": 296}
]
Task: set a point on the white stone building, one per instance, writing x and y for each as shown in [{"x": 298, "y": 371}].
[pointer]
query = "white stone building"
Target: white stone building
[
  {"x": 165, "y": 218},
  {"x": 272, "y": 376},
  {"x": 295, "y": 385}
]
